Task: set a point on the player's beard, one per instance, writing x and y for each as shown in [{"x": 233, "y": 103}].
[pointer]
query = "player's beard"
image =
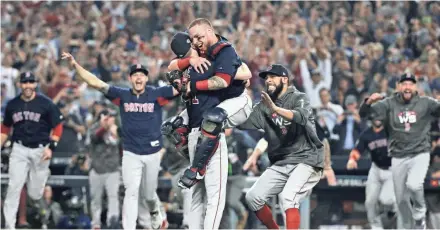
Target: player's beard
[
  {"x": 407, "y": 95},
  {"x": 27, "y": 93},
  {"x": 274, "y": 94}
]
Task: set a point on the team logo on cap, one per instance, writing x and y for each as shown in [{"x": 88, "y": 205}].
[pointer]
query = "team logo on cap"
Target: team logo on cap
[
  {"x": 188, "y": 41},
  {"x": 28, "y": 75},
  {"x": 138, "y": 66}
]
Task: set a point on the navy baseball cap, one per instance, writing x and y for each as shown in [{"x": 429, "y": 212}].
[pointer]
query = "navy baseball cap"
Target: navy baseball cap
[
  {"x": 181, "y": 44},
  {"x": 408, "y": 77},
  {"x": 275, "y": 69},
  {"x": 27, "y": 77},
  {"x": 138, "y": 68}
]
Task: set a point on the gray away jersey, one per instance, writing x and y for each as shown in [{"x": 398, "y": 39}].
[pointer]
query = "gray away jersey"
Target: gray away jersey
[
  {"x": 407, "y": 124},
  {"x": 291, "y": 142}
]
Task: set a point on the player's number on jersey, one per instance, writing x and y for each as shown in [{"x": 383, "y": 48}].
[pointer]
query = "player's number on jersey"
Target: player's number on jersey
[{"x": 195, "y": 101}]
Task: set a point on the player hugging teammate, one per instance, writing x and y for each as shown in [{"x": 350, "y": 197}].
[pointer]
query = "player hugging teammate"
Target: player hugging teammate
[{"x": 407, "y": 118}]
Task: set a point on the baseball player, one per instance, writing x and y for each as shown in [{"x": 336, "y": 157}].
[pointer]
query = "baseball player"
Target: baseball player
[
  {"x": 141, "y": 117},
  {"x": 379, "y": 183},
  {"x": 36, "y": 124},
  {"x": 206, "y": 122},
  {"x": 295, "y": 151},
  {"x": 235, "y": 102},
  {"x": 406, "y": 117},
  {"x": 104, "y": 173}
]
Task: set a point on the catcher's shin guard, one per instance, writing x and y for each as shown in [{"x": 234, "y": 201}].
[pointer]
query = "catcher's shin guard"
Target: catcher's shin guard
[{"x": 207, "y": 144}]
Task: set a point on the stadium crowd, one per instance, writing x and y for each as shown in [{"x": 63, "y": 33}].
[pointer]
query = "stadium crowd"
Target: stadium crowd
[{"x": 365, "y": 46}]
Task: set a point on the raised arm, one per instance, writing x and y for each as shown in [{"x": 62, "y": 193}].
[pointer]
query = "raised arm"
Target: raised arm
[
  {"x": 375, "y": 104},
  {"x": 85, "y": 75},
  {"x": 299, "y": 113}
]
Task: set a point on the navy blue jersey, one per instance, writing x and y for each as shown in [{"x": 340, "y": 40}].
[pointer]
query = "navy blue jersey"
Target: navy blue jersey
[
  {"x": 225, "y": 60},
  {"x": 141, "y": 117},
  {"x": 32, "y": 121},
  {"x": 376, "y": 144},
  {"x": 203, "y": 100}
]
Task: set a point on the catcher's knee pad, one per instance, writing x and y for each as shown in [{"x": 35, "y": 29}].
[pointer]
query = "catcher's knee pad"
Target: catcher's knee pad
[
  {"x": 212, "y": 125},
  {"x": 177, "y": 133}
]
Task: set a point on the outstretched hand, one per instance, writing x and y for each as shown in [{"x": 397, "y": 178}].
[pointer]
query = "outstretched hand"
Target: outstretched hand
[
  {"x": 68, "y": 57},
  {"x": 267, "y": 101}
]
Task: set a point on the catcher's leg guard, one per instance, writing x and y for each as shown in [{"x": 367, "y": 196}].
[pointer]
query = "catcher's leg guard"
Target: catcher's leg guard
[{"x": 207, "y": 144}]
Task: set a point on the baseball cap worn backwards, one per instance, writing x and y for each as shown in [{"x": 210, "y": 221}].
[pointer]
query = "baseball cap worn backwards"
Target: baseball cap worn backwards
[
  {"x": 180, "y": 44},
  {"x": 275, "y": 69},
  {"x": 27, "y": 77},
  {"x": 138, "y": 68}
]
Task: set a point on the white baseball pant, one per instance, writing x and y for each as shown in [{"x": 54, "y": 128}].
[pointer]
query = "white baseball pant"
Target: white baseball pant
[
  {"x": 379, "y": 189},
  {"x": 25, "y": 166},
  {"x": 98, "y": 183},
  {"x": 238, "y": 110},
  {"x": 139, "y": 170},
  {"x": 209, "y": 195}
]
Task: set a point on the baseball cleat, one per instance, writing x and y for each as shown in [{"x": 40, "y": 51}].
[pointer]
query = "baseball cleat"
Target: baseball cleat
[
  {"x": 420, "y": 224},
  {"x": 156, "y": 220}
]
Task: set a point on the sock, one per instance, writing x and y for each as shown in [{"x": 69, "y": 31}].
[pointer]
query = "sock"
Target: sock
[
  {"x": 265, "y": 216},
  {"x": 292, "y": 218}
]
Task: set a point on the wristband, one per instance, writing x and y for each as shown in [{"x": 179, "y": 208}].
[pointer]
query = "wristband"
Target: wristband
[
  {"x": 183, "y": 64},
  {"x": 53, "y": 145}
]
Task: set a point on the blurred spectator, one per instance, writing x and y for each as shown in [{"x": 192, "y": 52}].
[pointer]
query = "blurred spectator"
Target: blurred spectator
[
  {"x": 328, "y": 113},
  {"x": 117, "y": 78},
  {"x": 79, "y": 165},
  {"x": 348, "y": 126},
  {"x": 9, "y": 75},
  {"x": 73, "y": 129}
]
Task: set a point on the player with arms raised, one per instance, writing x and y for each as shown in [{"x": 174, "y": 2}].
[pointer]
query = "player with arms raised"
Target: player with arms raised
[{"x": 141, "y": 117}]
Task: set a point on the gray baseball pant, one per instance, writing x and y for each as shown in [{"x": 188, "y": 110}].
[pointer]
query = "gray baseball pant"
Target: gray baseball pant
[
  {"x": 408, "y": 178},
  {"x": 209, "y": 195},
  {"x": 292, "y": 182},
  {"x": 25, "y": 166},
  {"x": 144, "y": 216},
  {"x": 379, "y": 188},
  {"x": 139, "y": 170},
  {"x": 184, "y": 197},
  {"x": 98, "y": 183}
]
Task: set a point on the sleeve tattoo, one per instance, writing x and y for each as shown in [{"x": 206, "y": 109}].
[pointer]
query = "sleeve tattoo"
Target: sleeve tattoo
[{"x": 215, "y": 83}]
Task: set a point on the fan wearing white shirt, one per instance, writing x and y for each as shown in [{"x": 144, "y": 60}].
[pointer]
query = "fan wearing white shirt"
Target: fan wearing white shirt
[
  {"x": 328, "y": 112},
  {"x": 316, "y": 80},
  {"x": 8, "y": 76}
]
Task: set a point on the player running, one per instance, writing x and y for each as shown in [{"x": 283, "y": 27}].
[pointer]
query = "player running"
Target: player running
[
  {"x": 295, "y": 151},
  {"x": 379, "y": 183},
  {"x": 141, "y": 117},
  {"x": 407, "y": 118},
  {"x": 235, "y": 102},
  {"x": 36, "y": 124}
]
